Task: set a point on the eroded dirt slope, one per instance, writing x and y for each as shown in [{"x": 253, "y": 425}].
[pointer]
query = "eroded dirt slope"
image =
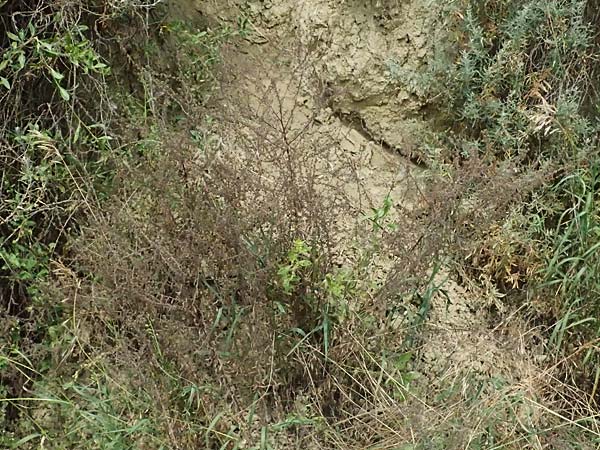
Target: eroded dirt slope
[
  {"x": 301, "y": 73},
  {"x": 371, "y": 57},
  {"x": 337, "y": 81}
]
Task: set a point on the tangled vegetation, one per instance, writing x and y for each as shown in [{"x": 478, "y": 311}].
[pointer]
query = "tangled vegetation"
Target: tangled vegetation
[
  {"x": 524, "y": 104},
  {"x": 162, "y": 287}
]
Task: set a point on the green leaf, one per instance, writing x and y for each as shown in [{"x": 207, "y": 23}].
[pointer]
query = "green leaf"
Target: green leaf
[
  {"x": 21, "y": 60},
  {"x": 300, "y": 331},
  {"x": 12, "y": 261},
  {"x": 326, "y": 334},
  {"x": 4, "y": 82},
  {"x": 12, "y": 36},
  {"x": 280, "y": 307},
  {"x": 63, "y": 93},
  {"x": 31, "y": 436},
  {"x": 77, "y": 132},
  {"x": 56, "y": 75},
  {"x": 402, "y": 360},
  {"x": 48, "y": 48}
]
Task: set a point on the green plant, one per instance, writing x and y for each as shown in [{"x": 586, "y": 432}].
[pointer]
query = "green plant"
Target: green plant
[
  {"x": 29, "y": 51},
  {"x": 396, "y": 374},
  {"x": 379, "y": 215},
  {"x": 521, "y": 76},
  {"x": 55, "y": 156},
  {"x": 198, "y": 53},
  {"x": 298, "y": 258},
  {"x": 326, "y": 302},
  {"x": 571, "y": 272},
  {"x": 519, "y": 93}
]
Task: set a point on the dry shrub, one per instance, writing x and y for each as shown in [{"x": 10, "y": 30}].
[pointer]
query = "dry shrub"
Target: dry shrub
[
  {"x": 194, "y": 241},
  {"x": 458, "y": 219}
]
